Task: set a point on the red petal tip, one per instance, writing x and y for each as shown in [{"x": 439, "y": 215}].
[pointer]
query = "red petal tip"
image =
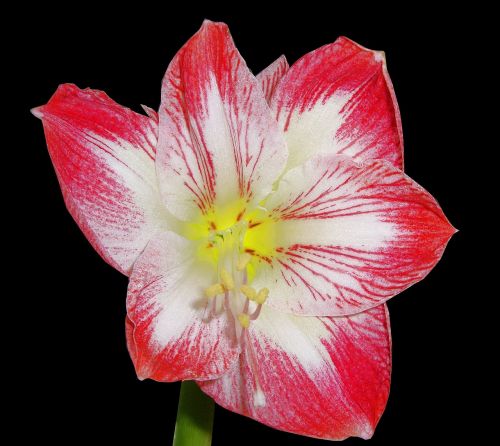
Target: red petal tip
[
  {"x": 208, "y": 23},
  {"x": 451, "y": 229},
  {"x": 37, "y": 111},
  {"x": 150, "y": 112},
  {"x": 379, "y": 56}
]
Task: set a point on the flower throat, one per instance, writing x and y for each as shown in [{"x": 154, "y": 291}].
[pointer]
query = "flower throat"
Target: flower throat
[{"x": 236, "y": 241}]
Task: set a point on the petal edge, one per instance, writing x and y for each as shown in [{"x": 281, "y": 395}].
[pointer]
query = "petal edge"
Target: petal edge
[
  {"x": 339, "y": 99},
  {"x": 103, "y": 155},
  {"x": 351, "y": 236},
  {"x": 325, "y": 378},
  {"x": 218, "y": 141}
]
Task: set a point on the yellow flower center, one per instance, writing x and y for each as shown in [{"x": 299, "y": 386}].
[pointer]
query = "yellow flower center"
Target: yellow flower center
[
  {"x": 233, "y": 233},
  {"x": 236, "y": 240}
]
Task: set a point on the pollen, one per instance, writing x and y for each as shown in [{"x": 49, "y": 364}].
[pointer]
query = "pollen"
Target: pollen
[
  {"x": 262, "y": 296},
  {"x": 243, "y": 261},
  {"x": 227, "y": 279},
  {"x": 214, "y": 290},
  {"x": 248, "y": 291},
  {"x": 244, "y": 320}
]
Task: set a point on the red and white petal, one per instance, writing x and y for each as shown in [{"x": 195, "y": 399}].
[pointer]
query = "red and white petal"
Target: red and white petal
[
  {"x": 174, "y": 333},
  {"x": 129, "y": 337},
  {"x": 270, "y": 76},
  {"x": 350, "y": 236},
  {"x": 103, "y": 155},
  {"x": 322, "y": 377},
  {"x": 339, "y": 99},
  {"x": 218, "y": 140},
  {"x": 151, "y": 113}
]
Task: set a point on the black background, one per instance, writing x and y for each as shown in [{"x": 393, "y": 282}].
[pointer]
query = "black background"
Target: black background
[{"x": 77, "y": 382}]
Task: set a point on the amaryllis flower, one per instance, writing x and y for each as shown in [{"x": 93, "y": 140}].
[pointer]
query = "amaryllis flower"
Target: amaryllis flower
[{"x": 263, "y": 222}]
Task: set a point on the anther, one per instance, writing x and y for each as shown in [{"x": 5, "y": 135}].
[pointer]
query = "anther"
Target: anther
[
  {"x": 214, "y": 290},
  {"x": 243, "y": 261},
  {"x": 262, "y": 296},
  {"x": 248, "y": 291},
  {"x": 244, "y": 320},
  {"x": 227, "y": 279}
]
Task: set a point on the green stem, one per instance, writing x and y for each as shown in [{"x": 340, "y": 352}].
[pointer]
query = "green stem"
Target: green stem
[{"x": 195, "y": 417}]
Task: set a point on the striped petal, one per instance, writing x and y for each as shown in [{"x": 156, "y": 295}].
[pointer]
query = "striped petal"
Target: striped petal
[
  {"x": 104, "y": 155},
  {"x": 340, "y": 99},
  {"x": 350, "y": 236},
  {"x": 129, "y": 338},
  {"x": 174, "y": 336},
  {"x": 322, "y": 377},
  {"x": 270, "y": 76},
  {"x": 218, "y": 141}
]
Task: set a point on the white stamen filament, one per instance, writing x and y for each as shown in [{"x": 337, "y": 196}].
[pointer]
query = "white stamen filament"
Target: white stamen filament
[{"x": 256, "y": 313}]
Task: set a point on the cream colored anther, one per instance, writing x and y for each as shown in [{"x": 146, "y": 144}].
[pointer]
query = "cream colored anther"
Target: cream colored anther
[
  {"x": 248, "y": 291},
  {"x": 262, "y": 296},
  {"x": 214, "y": 290},
  {"x": 227, "y": 279},
  {"x": 244, "y": 320}
]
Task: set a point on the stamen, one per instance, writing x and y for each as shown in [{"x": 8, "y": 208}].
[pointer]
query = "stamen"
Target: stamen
[
  {"x": 214, "y": 290},
  {"x": 256, "y": 313},
  {"x": 246, "y": 306},
  {"x": 243, "y": 261},
  {"x": 227, "y": 279},
  {"x": 244, "y": 320},
  {"x": 248, "y": 291},
  {"x": 259, "y": 300},
  {"x": 262, "y": 296},
  {"x": 228, "y": 248}
]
